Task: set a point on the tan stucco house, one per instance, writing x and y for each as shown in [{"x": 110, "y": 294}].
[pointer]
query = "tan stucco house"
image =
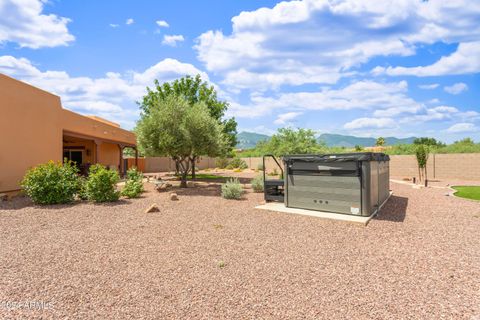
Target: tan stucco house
[{"x": 34, "y": 128}]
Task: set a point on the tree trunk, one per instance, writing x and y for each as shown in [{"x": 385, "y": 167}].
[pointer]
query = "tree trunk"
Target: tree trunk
[
  {"x": 419, "y": 174},
  {"x": 193, "y": 159},
  {"x": 184, "y": 166},
  {"x": 183, "y": 181},
  {"x": 425, "y": 172}
]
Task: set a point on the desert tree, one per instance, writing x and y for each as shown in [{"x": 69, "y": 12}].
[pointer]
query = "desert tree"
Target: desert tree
[
  {"x": 380, "y": 141},
  {"x": 193, "y": 90},
  {"x": 421, "y": 153},
  {"x": 174, "y": 128}
]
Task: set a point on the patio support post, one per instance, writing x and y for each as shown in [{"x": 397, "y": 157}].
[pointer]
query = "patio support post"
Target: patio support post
[
  {"x": 97, "y": 143},
  {"x": 120, "y": 167},
  {"x": 136, "y": 157}
]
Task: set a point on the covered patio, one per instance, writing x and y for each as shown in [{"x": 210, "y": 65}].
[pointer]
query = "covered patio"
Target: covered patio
[{"x": 87, "y": 150}]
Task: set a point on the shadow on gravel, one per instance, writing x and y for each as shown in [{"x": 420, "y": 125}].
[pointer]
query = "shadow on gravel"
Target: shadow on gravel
[
  {"x": 212, "y": 189},
  {"x": 394, "y": 210},
  {"x": 21, "y": 202}
]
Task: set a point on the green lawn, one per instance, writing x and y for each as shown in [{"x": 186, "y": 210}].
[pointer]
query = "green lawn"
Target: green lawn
[{"x": 469, "y": 192}]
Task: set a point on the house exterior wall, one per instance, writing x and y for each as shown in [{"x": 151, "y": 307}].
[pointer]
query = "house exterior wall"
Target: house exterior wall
[
  {"x": 29, "y": 135},
  {"x": 109, "y": 155},
  {"x": 32, "y": 125}
]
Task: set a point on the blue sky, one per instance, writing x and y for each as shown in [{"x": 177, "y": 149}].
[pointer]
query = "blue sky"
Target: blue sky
[{"x": 367, "y": 68}]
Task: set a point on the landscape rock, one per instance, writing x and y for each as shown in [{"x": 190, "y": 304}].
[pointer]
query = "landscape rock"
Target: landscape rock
[
  {"x": 173, "y": 196},
  {"x": 152, "y": 208},
  {"x": 162, "y": 185}
]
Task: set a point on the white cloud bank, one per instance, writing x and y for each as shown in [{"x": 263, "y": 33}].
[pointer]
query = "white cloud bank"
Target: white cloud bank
[
  {"x": 362, "y": 123},
  {"x": 462, "y": 128},
  {"x": 23, "y": 22},
  {"x": 465, "y": 60},
  {"x": 112, "y": 96},
  {"x": 281, "y": 45}
]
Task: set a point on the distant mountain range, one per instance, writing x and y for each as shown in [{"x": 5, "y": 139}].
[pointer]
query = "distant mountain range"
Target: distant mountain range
[
  {"x": 339, "y": 140},
  {"x": 248, "y": 140}
]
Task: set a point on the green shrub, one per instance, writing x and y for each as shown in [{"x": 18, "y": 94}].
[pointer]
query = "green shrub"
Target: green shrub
[
  {"x": 51, "y": 183},
  {"x": 221, "y": 163},
  {"x": 232, "y": 189},
  {"x": 134, "y": 184},
  {"x": 257, "y": 183},
  {"x": 237, "y": 163},
  {"x": 82, "y": 192},
  {"x": 101, "y": 184},
  {"x": 260, "y": 167}
]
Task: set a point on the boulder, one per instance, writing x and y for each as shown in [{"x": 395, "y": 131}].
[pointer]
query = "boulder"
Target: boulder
[
  {"x": 152, "y": 208},
  {"x": 173, "y": 196}
]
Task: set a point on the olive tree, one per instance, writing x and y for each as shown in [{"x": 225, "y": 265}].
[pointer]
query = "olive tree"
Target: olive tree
[
  {"x": 174, "y": 128},
  {"x": 193, "y": 90}
]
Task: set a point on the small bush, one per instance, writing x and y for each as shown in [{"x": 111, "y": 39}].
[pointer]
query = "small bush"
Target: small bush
[
  {"x": 238, "y": 163},
  {"x": 101, "y": 184},
  {"x": 232, "y": 189},
  {"x": 134, "y": 184},
  {"x": 257, "y": 183},
  {"x": 82, "y": 192},
  {"x": 51, "y": 183},
  {"x": 260, "y": 167},
  {"x": 221, "y": 163}
]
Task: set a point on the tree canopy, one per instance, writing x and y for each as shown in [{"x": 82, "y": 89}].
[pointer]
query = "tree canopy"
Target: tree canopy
[
  {"x": 193, "y": 90},
  {"x": 428, "y": 142},
  {"x": 174, "y": 128},
  {"x": 290, "y": 141},
  {"x": 380, "y": 141}
]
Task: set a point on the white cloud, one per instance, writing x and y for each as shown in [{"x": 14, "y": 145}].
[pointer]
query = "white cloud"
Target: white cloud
[
  {"x": 361, "y": 123},
  {"x": 167, "y": 68},
  {"x": 129, "y": 21},
  {"x": 23, "y": 22},
  {"x": 358, "y": 95},
  {"x": 462, "y": 127},
  {"x": 456, "y": 88},
  {"x": 285, "y": 117},
  {"x": 112, "y": 96},
  {"x": 280, "y": 45},
  {"x": 464, "y": 60},
  {"x": 114, "y": 25},
  {"x": 429, "y": 86},
  {"x": 171, "y": 40},
  {"x": 162, "y": 23}
]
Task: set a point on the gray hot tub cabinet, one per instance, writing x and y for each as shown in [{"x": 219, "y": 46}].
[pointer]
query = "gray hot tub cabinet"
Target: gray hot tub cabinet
[{"x": 352, "y": 183}]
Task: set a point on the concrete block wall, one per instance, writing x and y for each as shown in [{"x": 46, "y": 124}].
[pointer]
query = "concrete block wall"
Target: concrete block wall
[{"x": 458, "y": 166}]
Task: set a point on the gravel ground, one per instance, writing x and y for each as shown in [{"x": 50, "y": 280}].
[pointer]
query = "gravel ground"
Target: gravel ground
[{"x": 210, "y": 258}]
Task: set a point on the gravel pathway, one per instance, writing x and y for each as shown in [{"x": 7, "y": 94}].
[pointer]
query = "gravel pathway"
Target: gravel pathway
[{"x": 204, "y": 257}]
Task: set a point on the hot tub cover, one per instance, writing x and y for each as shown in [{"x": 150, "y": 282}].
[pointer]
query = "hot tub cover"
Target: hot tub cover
[{"x": 338, "y": 157}]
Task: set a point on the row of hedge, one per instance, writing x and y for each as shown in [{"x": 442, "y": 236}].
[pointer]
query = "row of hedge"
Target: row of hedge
[{"x": 55, "y": 183}]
